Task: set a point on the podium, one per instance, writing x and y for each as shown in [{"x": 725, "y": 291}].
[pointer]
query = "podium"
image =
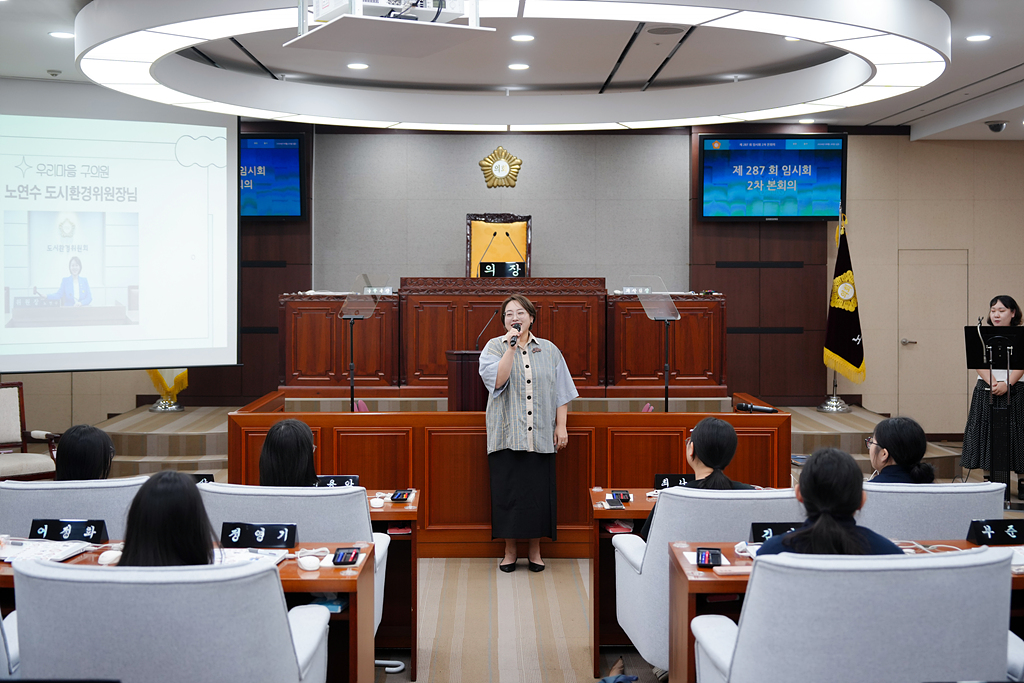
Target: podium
[{"x": 466, "y": 391}]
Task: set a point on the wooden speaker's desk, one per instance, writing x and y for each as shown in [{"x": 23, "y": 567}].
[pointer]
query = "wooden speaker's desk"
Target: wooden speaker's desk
[
  {"x": 689, "y": 585},
  {"x": 356, "y": 582}
]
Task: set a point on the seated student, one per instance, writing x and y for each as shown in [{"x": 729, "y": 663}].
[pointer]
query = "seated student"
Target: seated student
[
  {"x": 287, "y": 455},
  {"x": 167, "y": 524},
  {"x": 896, "y": 448},
  {"x": 83, "y": 452},
  {"x": 831, "y": 490},
  {"x": 709, "y": 449}
]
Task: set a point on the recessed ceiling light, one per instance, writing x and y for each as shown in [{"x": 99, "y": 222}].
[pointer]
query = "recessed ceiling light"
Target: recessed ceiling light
[
  {"x": 980, "y": 38},
  {"x": 522, "y": 38},
  {"x": 806, "y": 121},
  {"x": 62, "y": 34},
  {"x": 792, "y": 39},
  {"x": 358, "y": 65},
  {"x": 519, "y": 67}
]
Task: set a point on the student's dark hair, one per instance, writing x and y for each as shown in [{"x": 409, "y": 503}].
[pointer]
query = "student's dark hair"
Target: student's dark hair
[
  {"x": 83, "y": 452},
  {"x": 522, "y": 301},
  {"x": 1008, "y": 301},
  {"x": 832, "y": 488},
  {"x": 167, "y": 524},
  {"x": 287, "y": 455},
  {"x": 714, "y": 444},
  {"x": 906, "y": 443}
]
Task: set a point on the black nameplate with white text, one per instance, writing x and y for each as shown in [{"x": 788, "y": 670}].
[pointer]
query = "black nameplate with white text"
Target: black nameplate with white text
[
  {"x": 202, "y": 478},
  {"x": 996, "y": 532},
  {"x": 664, "y": 481},
  {"x": 762, "y": 531},
  {"x": 335, "y": 480},
  {"x": 243, "y": 535},
  {"x": 89, "y": 530},
  {"x": 503, "y": 269}
]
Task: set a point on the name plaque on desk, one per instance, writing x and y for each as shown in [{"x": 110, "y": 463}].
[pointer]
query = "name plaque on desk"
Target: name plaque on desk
[
  {"x": 89, "y": 530},
  {"x": 503, "y": 269},
  {"x": 996, "y": 532},
  {"x": 335, "y": 480},
  {"x": 243, "y": 535}
]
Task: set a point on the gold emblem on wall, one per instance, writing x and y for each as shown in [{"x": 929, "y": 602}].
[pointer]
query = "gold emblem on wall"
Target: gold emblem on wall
[{"x": 501, "y": 168}]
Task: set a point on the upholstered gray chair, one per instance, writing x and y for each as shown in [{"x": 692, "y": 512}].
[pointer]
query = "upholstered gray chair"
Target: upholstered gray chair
[
  {"x": 929, "y": 512},
  {"x": 9, "y": 652},
  {"x": 853, "y": 619},
  {"x": 682, "y": 514},
  {"x": 106, "y": 499},
  {"x": 155, "y": 624},
  {"x": 323, "y": 515}
]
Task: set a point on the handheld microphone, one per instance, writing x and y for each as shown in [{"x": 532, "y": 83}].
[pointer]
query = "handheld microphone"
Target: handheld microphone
[
  {"x": 515, "y": 247},
  {"x": 515, "y": 337},
  {"x": 751, "y": 408},
  {"x": 485, "y": 328},
  {"x": 478, "y": 273}
]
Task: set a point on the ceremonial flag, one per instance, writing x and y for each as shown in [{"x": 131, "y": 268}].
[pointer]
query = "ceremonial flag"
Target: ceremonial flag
[{"x": 844, "y": 347}]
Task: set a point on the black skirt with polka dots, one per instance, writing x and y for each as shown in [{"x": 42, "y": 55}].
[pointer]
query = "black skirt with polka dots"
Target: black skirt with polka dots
[{"x": 977, "y": 451}]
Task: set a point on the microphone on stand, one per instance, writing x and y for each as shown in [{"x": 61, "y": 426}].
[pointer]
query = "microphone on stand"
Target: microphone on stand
[
  {"x": 515, "y": 247},
  {"x": 515, "y": 337},
  {"x": 485, "y": 328},
  {"x": 478, "y": 273},
  {"x": 751, "y": 408}
]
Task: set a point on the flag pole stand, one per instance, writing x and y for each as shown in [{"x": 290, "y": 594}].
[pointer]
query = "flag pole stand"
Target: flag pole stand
[{"x": 834, "y": 404}]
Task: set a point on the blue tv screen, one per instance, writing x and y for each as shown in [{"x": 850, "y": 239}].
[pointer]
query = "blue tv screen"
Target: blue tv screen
[
  {"x": 772, "y": 177},
  {"x": 270, "y": 176}
]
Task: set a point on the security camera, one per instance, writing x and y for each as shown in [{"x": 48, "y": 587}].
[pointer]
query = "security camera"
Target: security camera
[
  {"x": 996, "y": 126},
  {"x": 53, "y": 72}
]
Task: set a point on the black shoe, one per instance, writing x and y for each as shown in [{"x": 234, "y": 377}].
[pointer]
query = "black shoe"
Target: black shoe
[
  {"x": 534, "y": 567},
  {"x": 508, "y": 568}
]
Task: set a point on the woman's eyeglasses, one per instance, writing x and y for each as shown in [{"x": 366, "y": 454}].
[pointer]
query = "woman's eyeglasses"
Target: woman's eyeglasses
[{"x": 869, "y": 442}]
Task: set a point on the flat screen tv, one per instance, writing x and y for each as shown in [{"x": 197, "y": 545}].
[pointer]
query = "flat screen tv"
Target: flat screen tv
[
  {"x": 271, "y": 178},
  {"x": 772, "y": 177}
]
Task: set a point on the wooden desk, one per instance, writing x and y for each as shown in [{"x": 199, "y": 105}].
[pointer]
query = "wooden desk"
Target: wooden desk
[
  {"x": 357, "y": 582},
  {"x": 688, "y": 583},
  {"x": 604, "y": 623},
  {"x": 399, "y": 624}
]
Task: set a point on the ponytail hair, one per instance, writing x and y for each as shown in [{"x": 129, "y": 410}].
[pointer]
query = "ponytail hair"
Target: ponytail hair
[
  {"x": 831, "y": 485},
  {"x": 906, "y": 443},
  {"x": 714, "y": 444}
]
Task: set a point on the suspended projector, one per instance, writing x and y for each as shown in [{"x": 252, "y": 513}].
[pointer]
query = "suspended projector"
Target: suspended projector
[{"x": 422, "y": 10}]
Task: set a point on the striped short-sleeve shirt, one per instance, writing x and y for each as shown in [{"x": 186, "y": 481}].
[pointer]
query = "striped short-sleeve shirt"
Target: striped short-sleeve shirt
[{"x": 521, "y": 414}]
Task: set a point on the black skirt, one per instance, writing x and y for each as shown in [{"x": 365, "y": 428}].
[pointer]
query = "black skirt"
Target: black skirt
[
  {"x": 523, "y": 494},
  {"x": 977, "y": 451}
]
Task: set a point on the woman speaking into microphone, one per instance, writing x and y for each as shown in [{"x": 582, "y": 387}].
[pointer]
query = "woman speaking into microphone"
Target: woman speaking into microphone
[{"x": 529, "y": 392}]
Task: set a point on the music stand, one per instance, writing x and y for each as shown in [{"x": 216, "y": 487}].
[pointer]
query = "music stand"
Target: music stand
[
  {"x": 359, "y": 305},
  {"x": 658, "y": 305},
  {"x": 999, "y": 348}
]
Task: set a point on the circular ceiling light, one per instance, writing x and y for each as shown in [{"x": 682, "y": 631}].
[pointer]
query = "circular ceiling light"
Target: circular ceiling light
[
  {"x": 62, "y": 34},
  {"x": 519, "y": 67},
  {"x": 665, "y": 30},
  {"x": 358, "y": 65},
  {"x": 522, "y": 38},
  {"x": 806, "y": 121},
  {"x": 980, "y": 38}
]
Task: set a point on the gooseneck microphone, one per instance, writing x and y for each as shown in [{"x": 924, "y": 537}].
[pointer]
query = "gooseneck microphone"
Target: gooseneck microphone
[
  {"x": 478, "y": 273},
  {"x": 485, "y": 328},
  {"x": 515, "y": 247},
  {"x": 751, "y": 408},
  {"x": 515, "y": 337}
]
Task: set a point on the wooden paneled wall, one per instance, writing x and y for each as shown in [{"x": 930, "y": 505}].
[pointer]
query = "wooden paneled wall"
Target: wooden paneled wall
[
  {"x": 774, "y": 275},
  {"x": 444, "y": 455}
]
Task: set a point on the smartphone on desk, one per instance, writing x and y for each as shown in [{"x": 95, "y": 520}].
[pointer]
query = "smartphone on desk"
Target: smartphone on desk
[
  {"x": 346, "y": 556},
  {"x": 614, "y": 504}
]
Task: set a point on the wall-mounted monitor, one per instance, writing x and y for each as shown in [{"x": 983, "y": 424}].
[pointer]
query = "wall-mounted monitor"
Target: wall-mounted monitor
[
  {"x": 772, "y": 177},
  {"x": 271, "y": 176}
]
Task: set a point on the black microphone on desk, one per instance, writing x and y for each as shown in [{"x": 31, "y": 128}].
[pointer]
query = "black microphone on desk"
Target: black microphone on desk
[
  {"x": 751, "y": 408},
  {"x": 515, "y": 247},
  {"x": 485, "y": 328},
  {"x": 478, "y": 273},
  {"x": 515, "y": 337}
]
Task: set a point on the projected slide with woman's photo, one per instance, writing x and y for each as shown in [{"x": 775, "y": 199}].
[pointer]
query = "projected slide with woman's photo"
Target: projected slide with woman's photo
[{"x": 119, "y": 244}]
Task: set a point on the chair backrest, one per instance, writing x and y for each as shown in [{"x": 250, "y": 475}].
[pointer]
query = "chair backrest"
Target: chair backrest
[
  {"x": 845, "y": 618},
  {"x": 152, "y": 624},
  {"x": 687, "y": 514},
  {"x": 322, "y": 514},
  {"x": 106, "y": 499},
  {"x": 929, "y": 512},
  {"x": 12, "y": 415}
]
